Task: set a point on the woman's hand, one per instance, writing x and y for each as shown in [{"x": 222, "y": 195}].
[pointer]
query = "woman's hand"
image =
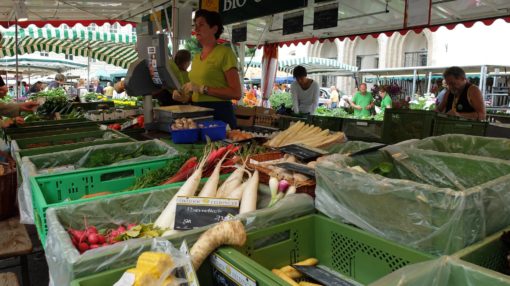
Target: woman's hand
[{"x": 177, "y": 96}]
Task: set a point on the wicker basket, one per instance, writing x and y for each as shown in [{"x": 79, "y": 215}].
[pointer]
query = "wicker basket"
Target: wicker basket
[
  {"x": 8, "y": 187},
  {"x": 307, "y": 187}
]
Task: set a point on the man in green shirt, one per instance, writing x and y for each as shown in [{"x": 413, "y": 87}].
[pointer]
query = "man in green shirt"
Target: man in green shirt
[{"x": 363, "y": 101}]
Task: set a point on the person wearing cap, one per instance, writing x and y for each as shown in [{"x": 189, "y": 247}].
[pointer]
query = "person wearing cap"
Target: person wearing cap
[{"x": 58, "y": 82}]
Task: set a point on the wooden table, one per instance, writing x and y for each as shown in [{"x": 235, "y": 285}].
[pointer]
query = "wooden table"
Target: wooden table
[{"x": 14, "y": 241}]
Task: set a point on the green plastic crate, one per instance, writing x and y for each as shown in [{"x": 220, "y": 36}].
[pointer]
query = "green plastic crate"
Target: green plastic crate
[
  {"x": 65, "y": 139},
  {"x": 327, "y": 122},
  {"x": 454, "y": 125},
  {"x": 63, "y": 130},
  {"x": 205, "y": 273},
  {"x": 285, "y": 121},
  {"x": 347, "y": 250},
  {"x": 67, "y": 188},
  {"x": 489, "y": 253},
  {"x": 363, "y": 130},
  {"x": 47, "y": 125},
  {"x": 404, "y": 124}
]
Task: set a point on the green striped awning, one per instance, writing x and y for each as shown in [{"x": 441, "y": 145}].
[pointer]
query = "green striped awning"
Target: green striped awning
[
  {"x": 313, "y": 65},
  {"x": 117, "y": 54},
  {"x": 73, "y": 34}
]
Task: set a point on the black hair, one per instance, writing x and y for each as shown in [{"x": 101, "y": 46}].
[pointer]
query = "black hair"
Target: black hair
[
  {"x": 182, "y": 56},
  {"x": 456, "y": 72},
  {"x": 212, "y": 19},
  {"x": 299, "y": 71}
]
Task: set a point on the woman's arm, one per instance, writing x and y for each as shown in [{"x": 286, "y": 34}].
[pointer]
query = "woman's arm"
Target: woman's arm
[
  {"x": 233, "y": 91},
  {"x": 316, "y": 95},
  {"x": 295, "y": 99}
]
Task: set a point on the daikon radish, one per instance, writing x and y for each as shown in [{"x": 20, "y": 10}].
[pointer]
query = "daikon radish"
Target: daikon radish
[
  {"x": 210, "y": 187},
  {"x": 233, "y": 181},
  {"x": 249, "y": 199},
  {"x": 237, "y": 193},
  {"x": 224, "y": 233},
  {"x": 167, "y": 218}
]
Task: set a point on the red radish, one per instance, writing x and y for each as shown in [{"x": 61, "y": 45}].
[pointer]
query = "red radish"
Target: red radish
[
  {"x": 184, "y": 172},
  {"x": 94, "y": 246},
  {"x": 105, "y": 244},
  {"x": 91, "y": 229},
  {"x": 93, "y": 238},
  {"x": 101, "y": 239},
  {"x": 131, "y": 225},
  {"x": 83, "y": 247},
  {"x": 121, "y": 229},
  {"x": 283, "y": 186},
  {"x": 114, "y": 233}
]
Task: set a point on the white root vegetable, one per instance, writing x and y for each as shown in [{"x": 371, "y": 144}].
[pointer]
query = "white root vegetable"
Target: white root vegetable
[
  {"x": 210, "y": 187},
  {"x": 300, "y": 177},
  {"x": 224, "y": 233},
  {"x": 167, "y": 218},
  {"x": 237, "y": 193},
  {"x": 233, "y": 181},
  {"x": 249, "y": 199},
  {"x": 291, "y": 190}
]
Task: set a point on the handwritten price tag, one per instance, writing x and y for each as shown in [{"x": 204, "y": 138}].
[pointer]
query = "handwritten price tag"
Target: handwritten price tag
[{"x": 194, "y": 212}]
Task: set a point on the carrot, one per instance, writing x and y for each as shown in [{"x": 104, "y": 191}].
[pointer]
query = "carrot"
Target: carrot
[
  {"x": 249, "y": 199},
  {"x": 224, "y": 233},
  {"x": 184, "y": 172},
  {"x": 167, "y": 218}
]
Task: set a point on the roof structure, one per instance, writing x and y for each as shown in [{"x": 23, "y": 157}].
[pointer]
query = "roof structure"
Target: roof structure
[{"x": 38, "y": 66}]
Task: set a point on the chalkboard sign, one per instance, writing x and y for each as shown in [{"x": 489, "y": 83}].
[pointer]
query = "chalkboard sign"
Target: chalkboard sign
[
  {"x": 225, "y": 274},
  {"x": 325, "y": 16},
  {"x": 302, "y": 152},
  {"x": 239, "y": 33},
  {"x": 322, "y": 276},
  {"x": 192, "y": 212},
  {"x": 298, "y": 168},
  {"x": 293, "y": 23}
]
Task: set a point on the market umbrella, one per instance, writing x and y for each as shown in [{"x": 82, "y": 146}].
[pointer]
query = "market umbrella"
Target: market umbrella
[{"x": 269, "y": 69}]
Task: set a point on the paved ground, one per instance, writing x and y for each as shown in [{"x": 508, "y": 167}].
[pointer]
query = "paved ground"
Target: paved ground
[{"x": 37, "y": 267}]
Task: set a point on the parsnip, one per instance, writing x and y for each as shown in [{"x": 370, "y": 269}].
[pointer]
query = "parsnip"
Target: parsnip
[
  {"x": 284, "y": 277},
  {"x": 224, "y": 233},
  {"x": 308, "y": 262},
  {"x": 304, "y": 283},
  {"x": 291, "y": 272}
]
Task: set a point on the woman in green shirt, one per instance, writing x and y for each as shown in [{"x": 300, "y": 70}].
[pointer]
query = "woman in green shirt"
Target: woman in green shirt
[
  {"x": 386, "y": 101},
  {"x": 214, "y": 78}
]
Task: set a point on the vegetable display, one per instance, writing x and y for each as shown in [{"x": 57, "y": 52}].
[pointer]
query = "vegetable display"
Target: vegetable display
[
  {"x": 305, "y": 134},
  {"x": 55, "y": 100},
  {"x": 277, "y": 99},
  {"x": 108, "y": 157}
]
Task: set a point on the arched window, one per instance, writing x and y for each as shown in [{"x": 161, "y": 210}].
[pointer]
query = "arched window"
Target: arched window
[{"x": 415, "y": 50}]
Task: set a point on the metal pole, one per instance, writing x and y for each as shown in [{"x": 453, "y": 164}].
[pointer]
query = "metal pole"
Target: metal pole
[
  {"x": 429, "y": 83},
  {"x": 88, "y": 65},
  {"x": 16, "y": 46},
  {"x": 414, "y": 83}
]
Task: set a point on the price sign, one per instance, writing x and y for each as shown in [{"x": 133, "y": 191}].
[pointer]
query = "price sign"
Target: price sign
[
  {"x": 293, "y": 23},
  {"x": 239, "y": 33},
  {"x": 192, "y": 212},
  {"x": 325, "y": 16},
  {"x": 226, "y": 274}
]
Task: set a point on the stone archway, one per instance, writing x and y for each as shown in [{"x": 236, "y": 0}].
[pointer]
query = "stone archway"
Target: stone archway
[{"x": 328, "y": 50}]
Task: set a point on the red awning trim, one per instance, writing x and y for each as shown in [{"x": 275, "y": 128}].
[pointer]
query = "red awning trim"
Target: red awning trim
[
  {"x": 70, "y": 23},
  {"x": 417, "y": 30}
]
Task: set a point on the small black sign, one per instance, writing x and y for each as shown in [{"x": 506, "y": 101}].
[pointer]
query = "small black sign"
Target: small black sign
[
  {"x": 293, "y": 23},
  {"x": 191, "y": 212},
  {"x": 302, "y": 152},
  {"x": 239, "y": 33},
  {"x": 322, "y": 276},
  {"x": 325, "y": 17}
]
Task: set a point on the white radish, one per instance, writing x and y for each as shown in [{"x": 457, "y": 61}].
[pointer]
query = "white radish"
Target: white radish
[
  {"x": 209, "y": 189},
  {"x": 291, "y": 190},
  {"x": 249, "y": 199},
  {"x": 233, "y": 181},
  {"x": 237, "y": 193},
  {"x": 166, "y": 219}
]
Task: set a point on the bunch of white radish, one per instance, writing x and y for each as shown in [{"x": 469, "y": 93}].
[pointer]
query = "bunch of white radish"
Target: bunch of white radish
[{"x": 279, "y": 188}]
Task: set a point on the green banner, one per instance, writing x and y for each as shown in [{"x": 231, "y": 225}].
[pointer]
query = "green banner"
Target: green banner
[{"x": 233, "y": 11}]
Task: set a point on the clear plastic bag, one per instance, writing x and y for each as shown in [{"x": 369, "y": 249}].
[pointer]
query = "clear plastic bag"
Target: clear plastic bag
[
  {"x": 83, "y": 158},
  {"x": 65, "y": 263},
  {"x": 432, "y": 201},
  {"x": 444, "y": 271}
]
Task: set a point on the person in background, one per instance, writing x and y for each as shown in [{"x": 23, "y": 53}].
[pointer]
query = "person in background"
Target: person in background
[
  {"x": 58, "y": 82},
  {"x": 362, "y": 101},
  {"x": 462, "y": 98},
  {"x": 180, "y": 64},
  {"x": 441, "y": 94},
  {"x": 72, "y": 91},
  {"x": 305, "y": 92},
  {"x": 36, "y": 87},
  {"x": 335, "y": 97},
  {"x": 108, "y": 90},
  {"x": 96, "y": 87},
  {"x": 386, "y": 101},
  {"x": 214, "y": 76}
]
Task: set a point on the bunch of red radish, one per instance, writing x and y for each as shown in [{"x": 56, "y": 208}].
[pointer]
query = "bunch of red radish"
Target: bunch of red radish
[
  {"x": 213, "y": 158},
  {"x": 90, "y": 238}
]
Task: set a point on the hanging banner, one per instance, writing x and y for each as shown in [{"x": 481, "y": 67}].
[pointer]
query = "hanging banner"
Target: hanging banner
[
  {"x": 417, "y": 13},
  {"x": 233, "y": 11}
]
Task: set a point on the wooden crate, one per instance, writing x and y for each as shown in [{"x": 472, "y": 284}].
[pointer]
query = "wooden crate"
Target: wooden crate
[{"x": 245, "y": 116}]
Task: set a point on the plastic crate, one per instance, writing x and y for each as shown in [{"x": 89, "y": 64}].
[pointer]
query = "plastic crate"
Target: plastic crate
[
  {"x": 187, "y": 136},
  {"x": 404, "y": 124},
  {"x": 454, "y": 125},
  {"x": 68, "y": 188},
  {"x": 39, "y": 126},
  {"x": 349, "y": 251},
  {"x": 284, "y": 121},
  {"x": 93, "y": 105},
  {"x": 489, "y": 253},
  {"x": 214, "y": 130},
  {"x": 327, "y": 122},
  {"x": 64, "y": 130},
  {"x": 364, "y": 130}
]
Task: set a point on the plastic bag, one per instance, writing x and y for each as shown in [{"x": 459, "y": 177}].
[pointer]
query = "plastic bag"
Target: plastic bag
[
  {"x": 83, "y": 158},
  {"x": 444, "y": 271},
  {"x": 463, "y": 144},
  {"x": 65, "y": 263},
  {"x": 431, "y": 201}
]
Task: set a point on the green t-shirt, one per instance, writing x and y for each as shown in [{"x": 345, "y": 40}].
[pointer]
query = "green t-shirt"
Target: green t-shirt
[
  {"x": 211, "y": 71},
  {"x": 363, "y": 101},
  {"x": 386, "y": 102},
  {"x": 182, "y": 76}
]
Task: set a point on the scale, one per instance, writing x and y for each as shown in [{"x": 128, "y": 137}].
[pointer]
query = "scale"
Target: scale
[{"x": 152, "y": 55}]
